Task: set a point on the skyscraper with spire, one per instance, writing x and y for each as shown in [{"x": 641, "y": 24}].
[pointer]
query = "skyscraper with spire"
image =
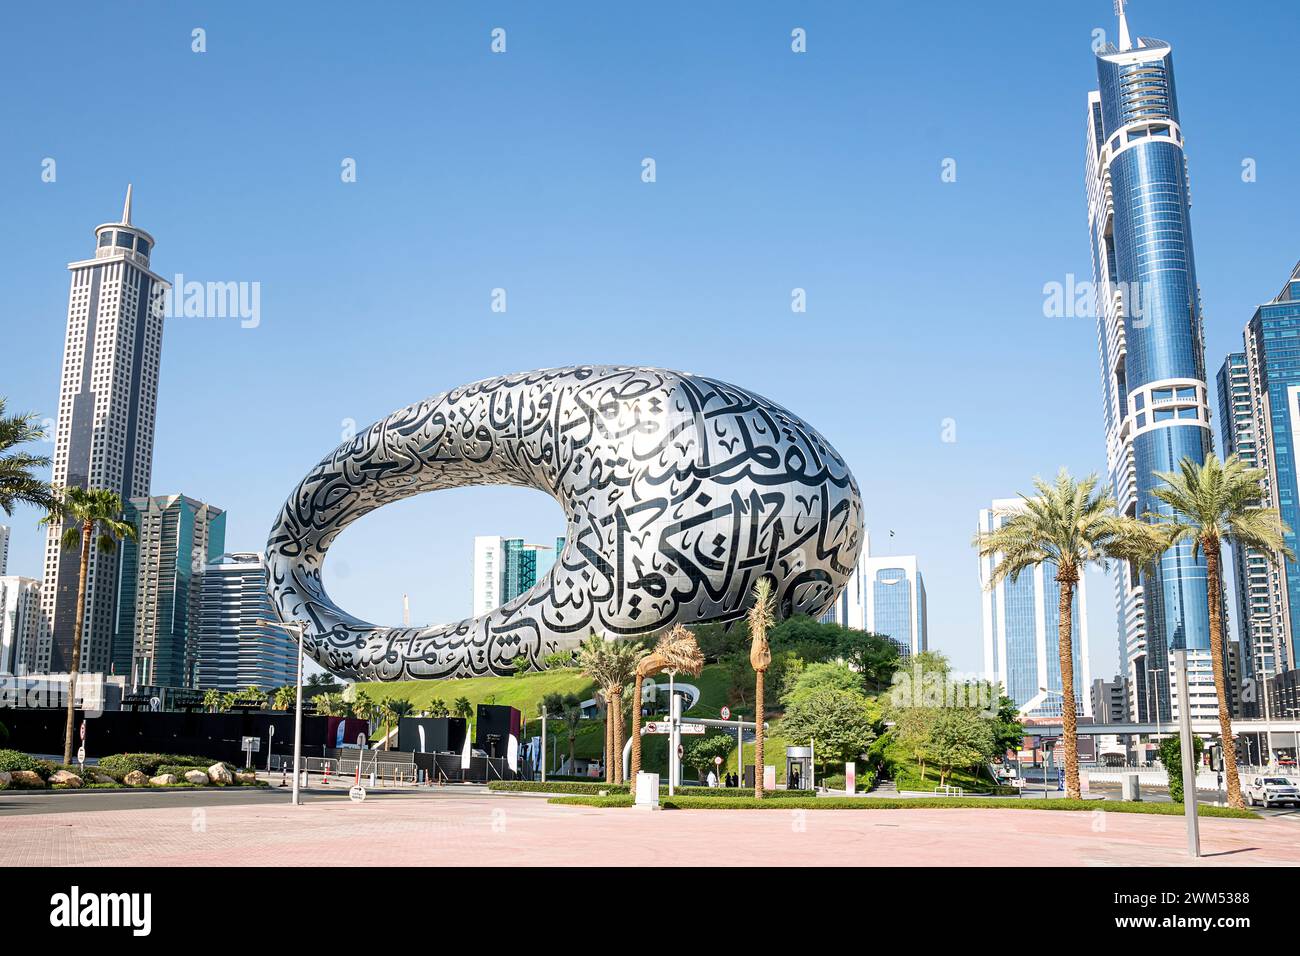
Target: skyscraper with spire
[
  {"x": 1150, "y": 336},
  {"x": 104, "y": 438}
]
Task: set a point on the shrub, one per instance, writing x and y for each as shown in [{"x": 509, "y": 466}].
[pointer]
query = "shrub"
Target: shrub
[
  {"x": 866, "y": 779},
  {"x": 119, "y": 765},
  {"x": 11, "y": 760},
  {"x": 557, "y": 786},
  {"x": 558, "y": 659}
]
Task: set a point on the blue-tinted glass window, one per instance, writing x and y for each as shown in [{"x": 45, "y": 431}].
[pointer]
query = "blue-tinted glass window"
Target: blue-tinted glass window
[
  {"x": 105, "y": 237},
  {"x": 124, "y": 240}
]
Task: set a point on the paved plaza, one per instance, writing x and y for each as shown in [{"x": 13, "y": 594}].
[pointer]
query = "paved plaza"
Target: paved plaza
[{"x": 473, "y": 828}]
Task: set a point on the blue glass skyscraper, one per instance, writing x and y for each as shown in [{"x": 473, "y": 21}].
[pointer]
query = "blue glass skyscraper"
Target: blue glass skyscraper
[{"x": 1150, "y": 336}]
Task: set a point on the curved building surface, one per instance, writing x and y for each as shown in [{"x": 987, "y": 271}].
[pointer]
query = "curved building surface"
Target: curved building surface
[{"x": 679, "y": 493}]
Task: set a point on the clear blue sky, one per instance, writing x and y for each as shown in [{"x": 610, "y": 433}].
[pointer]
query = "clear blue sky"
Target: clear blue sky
[{"x": 522, "y": 171}]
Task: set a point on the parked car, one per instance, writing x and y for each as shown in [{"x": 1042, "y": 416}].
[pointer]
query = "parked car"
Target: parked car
[{"x": 1270, "y": 791}]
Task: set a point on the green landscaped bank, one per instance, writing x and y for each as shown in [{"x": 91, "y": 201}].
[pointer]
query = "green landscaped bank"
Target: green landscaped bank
[{"x": 921, "y": 803}]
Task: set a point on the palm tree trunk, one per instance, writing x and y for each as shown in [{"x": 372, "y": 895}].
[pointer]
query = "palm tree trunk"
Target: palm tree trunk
[
  {"x": 87, "y": 533},
  {"x": 1228, "y": 743},
  {"x": 1066, "y": 578},
  {"x": 635, "y": 768},
  {"x": 609, "y": 739},
  {"x": 573, "y": 761},
  {"x": 758, "y": 735},
  {"x": 616, "y": 718}
]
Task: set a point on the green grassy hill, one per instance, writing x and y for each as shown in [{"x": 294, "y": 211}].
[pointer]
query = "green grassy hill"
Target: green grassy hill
[{"x": 526, "y": 691}]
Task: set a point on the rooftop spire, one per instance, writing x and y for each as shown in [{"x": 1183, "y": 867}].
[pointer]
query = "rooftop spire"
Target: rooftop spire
[
  {"x": 1125, "y": 43},
  {"x": 126, "y": 207}
]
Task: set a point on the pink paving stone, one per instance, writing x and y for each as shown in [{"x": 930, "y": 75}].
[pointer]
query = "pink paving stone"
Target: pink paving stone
[{"x": 476, "y": 829}]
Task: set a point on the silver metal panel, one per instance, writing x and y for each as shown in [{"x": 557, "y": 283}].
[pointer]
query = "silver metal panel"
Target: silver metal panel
[{"x": 680, "y": 491}]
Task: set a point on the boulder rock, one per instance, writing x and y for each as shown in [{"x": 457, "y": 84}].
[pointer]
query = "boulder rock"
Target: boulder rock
[
  {"x": 162, "y": 780},
  {"x": 26, "y": 778},
  {"x": 196, "y": 776},
  {"x": 5, "y": 779},
  {"x": 248, "y": 776},
  {"x": 96, "y": 777},
  {"x": 65, "y": 778},
  {"x": 136, "y": 778},
  {"x": 219, "y": 775}
]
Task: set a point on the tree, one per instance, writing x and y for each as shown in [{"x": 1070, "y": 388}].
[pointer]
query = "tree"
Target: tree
[
  {"x": 959, "y": 738},
  {"x": 392, "y": 711},
  {"x": 571, "y": 718},
  {"x": 1171, "y": 755},
  {"x": 212, "y": 701},
  {"x": 90, "y": 518},
  {"x": 330, "y": 705},
  {"x": 762, "y": 615},
  {"x": 463, "y": 708},
  {"x": 612, "y": 665},
  {"x": 252, "y": 695},
  {"x": 699, "y": 753},
  {"x": 17, "y": 483},
  {"x": 1008, "y": 731},
  {"x": 675, "y": 651},
  {"x": 830, "y": 675},
  {"x": 437, "y": 707},
  {"x": 1065, "y": 527},
  {"x": 841, "y": 722},
  {"x": 286, "y": 698},
  {"x": 914, "y": 730},
  {"x": 874, "y": 656},
  {"x": 1207, "y": 506}
]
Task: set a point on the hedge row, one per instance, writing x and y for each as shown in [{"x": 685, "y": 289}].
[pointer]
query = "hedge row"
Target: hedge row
[
  {"x": 594, "y": 789},
  {"x": 119, "y": 765},
  {"x": 921, "y": 803}
]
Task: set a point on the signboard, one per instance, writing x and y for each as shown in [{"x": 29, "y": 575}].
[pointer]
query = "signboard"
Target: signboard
[
  {"x": 696, "y": 729},
  {"x": 726, "y": 712},
  {"x": 717, "y": 761},
  {"x": 655, "y": 728},
  {"x": 81, "y": 755},
  {"x": 251, "y": 743},
  {"x": 357, "y": 794},
  {"x": 850, "y": 778},
  {"x": 769, "y": 777}
]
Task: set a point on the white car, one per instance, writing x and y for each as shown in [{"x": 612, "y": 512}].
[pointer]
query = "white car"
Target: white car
[{"x": 1270, "y": 791}]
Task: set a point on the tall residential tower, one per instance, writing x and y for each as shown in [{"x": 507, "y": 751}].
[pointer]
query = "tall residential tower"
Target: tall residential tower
[
  {"x": 1149, "y": 330},
  {"x": 104, "y": 438}
]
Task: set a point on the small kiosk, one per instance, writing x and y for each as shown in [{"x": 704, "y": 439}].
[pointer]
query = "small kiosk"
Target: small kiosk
[{"x": 798, "y": 768}]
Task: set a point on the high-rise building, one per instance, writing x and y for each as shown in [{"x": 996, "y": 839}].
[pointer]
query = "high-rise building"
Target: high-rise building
[
  {"x": 1022, "y": 630},
  {"x": 156, "y": 644},
  {"x": 1149, "y": 330},
  {"x": 235, "y": 648},
  {"x": 885, "y": 595},
  {"x": 505, "y": 568},
  {"x": 1259, "y": 398},
  {"x": 1109, "y": 700},
  {"x": 4, "y": 549},
  {"x": 20, "y": 618},
  {"x": 104, "y": 438}
]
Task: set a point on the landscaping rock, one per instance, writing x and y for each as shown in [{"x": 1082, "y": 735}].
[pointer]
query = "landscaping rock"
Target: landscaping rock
[
  {"x": 219, "y": 775},
  {"x": 247, "y": 777},
  {"x": 136, "y": 778},
  {"x": 27, "y": 778},
  {"x": 196, "y": 776},
  {"x": 65, "y": 778},
  {"x": 5, "y": 779},
  {"x": 101, "y": 778},
  {"x": 162, "y": 780}
]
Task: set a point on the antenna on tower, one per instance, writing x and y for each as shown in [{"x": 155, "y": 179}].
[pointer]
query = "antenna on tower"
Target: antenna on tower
[
  {"x": 126, "y": 207},
  {"x": 1125, "y": 42}
]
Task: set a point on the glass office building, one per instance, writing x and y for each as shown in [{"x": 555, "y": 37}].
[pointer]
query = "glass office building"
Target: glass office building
[
  {"x": 885, "y": 595},
  {"x": 1150, "y": 337},
  {"x": 1022, "y": 618},
  {"x": 1259, "y": 388},
  {"x": 505, "y": 568},
  {"x": 237, "y": 649}
]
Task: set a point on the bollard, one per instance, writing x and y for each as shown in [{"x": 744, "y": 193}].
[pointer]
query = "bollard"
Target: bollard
[{"x": 1132, "y": 789}]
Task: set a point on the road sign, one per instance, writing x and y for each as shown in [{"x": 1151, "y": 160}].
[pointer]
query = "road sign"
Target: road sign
[
  {"x": 680, "y": 751},
  {"x": 726, "y": 713},
  {"x": 251, "y": 743},
  {"x": 81, "y": 755},
  {"x": 717, "y": 761},
  {"x": 656, "y": 728},
  {"x": 692, "y": 729},
  {"x": 357, "y": 794},
  {"x": 83, "y": 730}
]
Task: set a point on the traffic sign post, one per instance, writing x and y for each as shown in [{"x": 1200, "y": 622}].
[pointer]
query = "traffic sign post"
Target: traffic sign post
[
  {"x": 270, "y": 736},
  {"x": 250, "y": 745}
]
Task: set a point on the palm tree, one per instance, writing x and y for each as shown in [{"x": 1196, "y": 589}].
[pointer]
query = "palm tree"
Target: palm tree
[
  {"x": 463, "y": 708},
  {"x": 329, "y": 705},
  {"x": 612, "y": 665},
  {"x": 17, "y": 483},
  {"x": 571, "y": 718},
  {"x": 212, "y": 701},
  {"x": 286, "y": 698},
  {"x": 394, "y": 710},
  {"x": 1066, "y": 526},
  {"x": 762, "y": 615},
  {"x": 90, "y": 519},
  {"x": 1213, "y": 504},
  {"x": 675, "y": 651}
]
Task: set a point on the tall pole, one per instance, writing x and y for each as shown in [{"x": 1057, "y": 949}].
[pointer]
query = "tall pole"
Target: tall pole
[
  {"x": 297, "y": 719},
  {"x": 1189, "y": 757},
  {"x": 1267, "y": 759}
]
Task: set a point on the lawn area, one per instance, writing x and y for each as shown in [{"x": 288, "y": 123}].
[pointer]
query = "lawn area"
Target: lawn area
[
  {"x": 526, "y": 691},
  {"x": 685, "y": 802}
]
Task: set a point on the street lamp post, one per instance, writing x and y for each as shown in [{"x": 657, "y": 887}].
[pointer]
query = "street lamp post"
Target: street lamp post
[
  {"x": 1188, "y": 755},
  {"x": 298, "y": 628}
]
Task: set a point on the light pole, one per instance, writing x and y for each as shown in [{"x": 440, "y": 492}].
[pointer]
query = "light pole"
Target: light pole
[
  {"x": 543, "y": 760},
  {"x": 1188, "y": 755},
  {"x": 295, "y": 627},
  {"x": 1058, "y": 693}
]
